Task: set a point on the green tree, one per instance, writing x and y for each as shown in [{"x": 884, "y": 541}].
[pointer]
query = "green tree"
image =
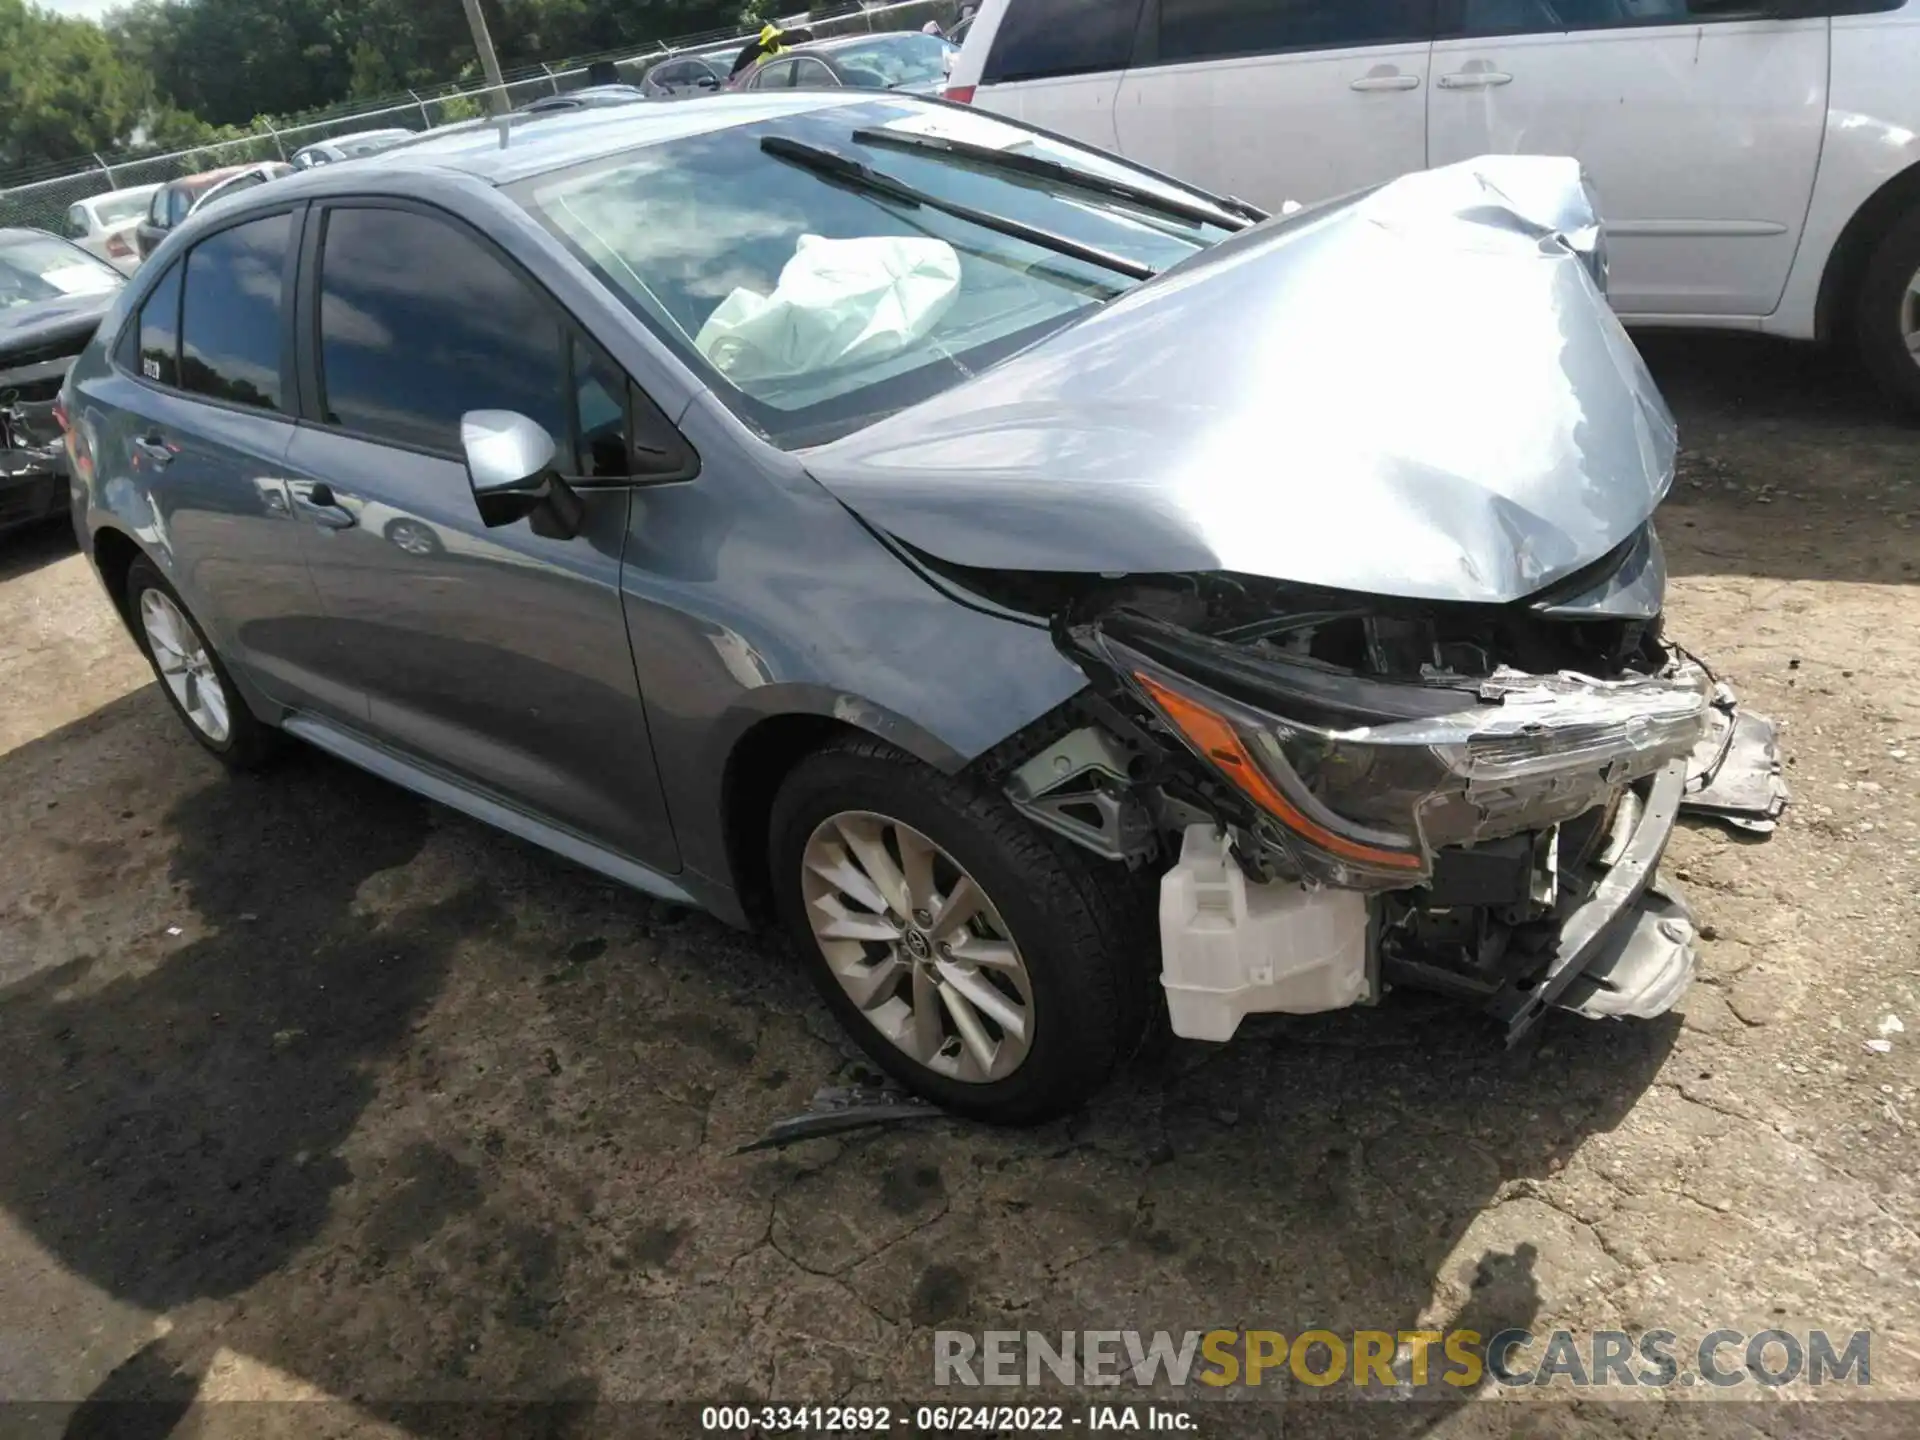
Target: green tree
[{"x": 64, "y": 91}]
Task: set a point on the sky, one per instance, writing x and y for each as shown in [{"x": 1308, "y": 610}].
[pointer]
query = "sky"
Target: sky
[{"x": 87, "y": 9}]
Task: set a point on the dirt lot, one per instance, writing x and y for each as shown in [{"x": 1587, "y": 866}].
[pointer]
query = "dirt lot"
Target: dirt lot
[{"x": 310, "y": 1089}]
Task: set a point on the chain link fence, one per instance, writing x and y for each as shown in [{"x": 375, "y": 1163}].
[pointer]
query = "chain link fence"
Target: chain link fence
[{"x": 44, "y": 200}]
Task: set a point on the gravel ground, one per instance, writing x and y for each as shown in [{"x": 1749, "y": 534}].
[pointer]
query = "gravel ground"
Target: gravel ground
[{"x": 309, "y": 1089}]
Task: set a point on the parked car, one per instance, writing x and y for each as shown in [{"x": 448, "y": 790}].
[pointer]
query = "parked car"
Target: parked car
[
  {"x": 913, "y": 62},
  {"x": 947, "y": 540},
  {"x": 588, "y": 97},
  {"x": 685, "y": 75},
  {"x": 103, "y": 225},
  {"x": 1760, "y": 163},
  {"x": 239, "y": 184},
  {"x": 348, "y": 147},
  {"x": 175, "y": 200},
  {"x": 52, "y": 295}
]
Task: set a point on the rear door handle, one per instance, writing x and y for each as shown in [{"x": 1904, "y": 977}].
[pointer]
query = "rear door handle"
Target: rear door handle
[
  {"x": 1475, "y": 79},
  {"x": 154, "y": 448},
  {"x": 1394, "y": 81},
  {"x": 315, "y": 501}
]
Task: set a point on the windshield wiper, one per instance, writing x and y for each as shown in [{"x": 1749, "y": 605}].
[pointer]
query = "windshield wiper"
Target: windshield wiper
[
  {"x": 849, "y": 171},
  {"x": 1041, "y": 168}
]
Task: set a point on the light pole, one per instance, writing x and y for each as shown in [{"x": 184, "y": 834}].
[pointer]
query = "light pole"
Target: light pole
[{"x": 489, "y": 61}]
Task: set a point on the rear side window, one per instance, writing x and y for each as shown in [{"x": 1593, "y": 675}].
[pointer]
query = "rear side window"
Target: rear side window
[
  {"x": 160, "y": 330},
  {"x": 1217, "y": 29},
  {"x": 1039, "y": 38},
  {"x": 231, "y": 330},
  {"x": 420, "y": 323}
]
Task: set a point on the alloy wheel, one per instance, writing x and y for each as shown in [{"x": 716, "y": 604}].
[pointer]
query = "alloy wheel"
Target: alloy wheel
[
  {"x": 918, "y": 946},
  {"x": 1910, "y": 317},
  {"x": 185, "y": 666}
]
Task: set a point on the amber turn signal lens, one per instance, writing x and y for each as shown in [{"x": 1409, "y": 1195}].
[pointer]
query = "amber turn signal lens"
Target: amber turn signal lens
[{"x": 1217, "y": 740}]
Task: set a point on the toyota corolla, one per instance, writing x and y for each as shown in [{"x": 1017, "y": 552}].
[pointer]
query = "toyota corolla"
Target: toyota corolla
[{"x": 1057, "y": 596}]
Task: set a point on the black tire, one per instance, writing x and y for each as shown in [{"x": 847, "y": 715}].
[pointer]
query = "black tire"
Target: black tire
[
  {"x": 1084, "y": 927},
  {"x": 1881, "y": 307},
  {"x": 249, "y": 743}
]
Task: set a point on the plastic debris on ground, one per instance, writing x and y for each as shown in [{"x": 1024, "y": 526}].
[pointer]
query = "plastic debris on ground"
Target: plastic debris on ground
[
  {"x": 837, "y": 1109},
  {"x": 1734, "y": 773}
]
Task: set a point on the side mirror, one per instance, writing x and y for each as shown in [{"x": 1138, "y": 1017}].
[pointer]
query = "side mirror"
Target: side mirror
[{"x": 510, "y": 466}]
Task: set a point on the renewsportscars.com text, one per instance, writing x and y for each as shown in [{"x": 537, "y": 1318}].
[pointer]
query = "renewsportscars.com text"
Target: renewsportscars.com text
[{"x": 1387, "y": 1359}]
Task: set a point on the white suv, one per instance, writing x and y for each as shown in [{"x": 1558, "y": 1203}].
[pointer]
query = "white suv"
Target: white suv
[{"x": 1758, "y": 160}]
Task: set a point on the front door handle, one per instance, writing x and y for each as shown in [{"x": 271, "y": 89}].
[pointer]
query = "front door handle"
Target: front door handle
[
  {"x": 315, "y": 501},
  {"x": 1475, "y": 79},
  {"x": 1389, "y": 80}
]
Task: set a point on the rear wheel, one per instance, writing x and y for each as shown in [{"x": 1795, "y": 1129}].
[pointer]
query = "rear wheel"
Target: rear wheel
[
  {"x": 1887, "y": 314},
  {"x": 195, "y": 682},
  {"x": 983, "y": 963}
]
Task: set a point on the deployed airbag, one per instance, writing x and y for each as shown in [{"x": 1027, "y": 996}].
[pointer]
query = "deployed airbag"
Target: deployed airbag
[{"x": 837, "y": 302}]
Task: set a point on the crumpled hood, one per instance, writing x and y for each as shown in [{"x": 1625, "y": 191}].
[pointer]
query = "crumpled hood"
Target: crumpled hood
[
  {"x": 26, "y": 326},
  {"x": 1419, "y": 391}
]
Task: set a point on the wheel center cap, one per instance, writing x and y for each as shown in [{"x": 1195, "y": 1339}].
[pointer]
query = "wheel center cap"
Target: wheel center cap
[{"x": 917, "y": 945}]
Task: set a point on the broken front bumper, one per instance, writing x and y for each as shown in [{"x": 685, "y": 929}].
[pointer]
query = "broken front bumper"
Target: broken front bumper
[
  {"x": 1615, "y": 945},
  {"x": 33, "y": 464}
]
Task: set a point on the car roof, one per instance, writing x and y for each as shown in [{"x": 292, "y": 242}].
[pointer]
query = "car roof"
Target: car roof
[
  {"x": 207, "y": 177},
  {"x": 830, "y": 43},
  {"x": 13, "y": 234},
  {"x": 537, "y": 144}
]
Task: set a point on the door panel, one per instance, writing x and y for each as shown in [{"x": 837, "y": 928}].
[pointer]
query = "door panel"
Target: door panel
[
  {"x": 1274, "y": 128},
  {"x": 193, "y": 458},
  {"x": 1702, "y": 141},
  {"x": 1278, "y": 100},
  {"x": 495, "y": 655}
]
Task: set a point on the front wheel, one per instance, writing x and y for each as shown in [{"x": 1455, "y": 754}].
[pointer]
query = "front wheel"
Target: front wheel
[
  {"x": 1887, "y": 316},
  {"x": 986, "y": 965}
]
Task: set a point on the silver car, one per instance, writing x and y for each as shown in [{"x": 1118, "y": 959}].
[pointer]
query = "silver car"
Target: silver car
[{"x": 1059, "y": 597}]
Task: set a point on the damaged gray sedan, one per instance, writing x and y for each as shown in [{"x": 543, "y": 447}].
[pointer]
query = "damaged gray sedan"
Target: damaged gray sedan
[{"x": 953, "y": 544}]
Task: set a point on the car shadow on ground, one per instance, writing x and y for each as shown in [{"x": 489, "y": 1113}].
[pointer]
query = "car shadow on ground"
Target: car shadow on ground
[
  {"x": 412, "y": 1113},
  {"x": 27, "y": 549}
]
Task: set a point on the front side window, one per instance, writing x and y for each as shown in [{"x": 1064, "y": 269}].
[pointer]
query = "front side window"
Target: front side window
[
  {"x": 600, "y": 405},
  {"x": 160, "y": 330},
  {"x": 813, "y": 307},
  {"x": 811, "y": 72},
  {"x": 231, "y": 333},
  {"x": 419, "y": 323},
  {"x": 774, "y": 75},
  {"x": 1041, "y": 38},
  {"x": 1215, "y": 29},
  {"x": 157, "y": 209}
]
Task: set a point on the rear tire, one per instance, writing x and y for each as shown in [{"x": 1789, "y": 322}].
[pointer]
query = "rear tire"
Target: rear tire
[
  {"x": 1065, "y": 937},
  {"x": 191, "y": 675},
  {"x": 1887, "y": 312}
]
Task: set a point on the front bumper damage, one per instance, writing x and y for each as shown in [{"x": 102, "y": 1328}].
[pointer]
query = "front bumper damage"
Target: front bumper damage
[
  {"x": 1342, "y": 801},
  {"x": 33, "y": 462}
]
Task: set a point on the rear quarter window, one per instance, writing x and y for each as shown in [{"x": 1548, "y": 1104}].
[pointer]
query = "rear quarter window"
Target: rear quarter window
[{"x": 1042, "y": 38}]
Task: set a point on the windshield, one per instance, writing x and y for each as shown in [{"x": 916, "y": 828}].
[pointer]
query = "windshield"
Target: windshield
[
  {"x": 43, "y": 268},
  {"x": 895, "y": 61},
  {"x": 813, "y": 306}
]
